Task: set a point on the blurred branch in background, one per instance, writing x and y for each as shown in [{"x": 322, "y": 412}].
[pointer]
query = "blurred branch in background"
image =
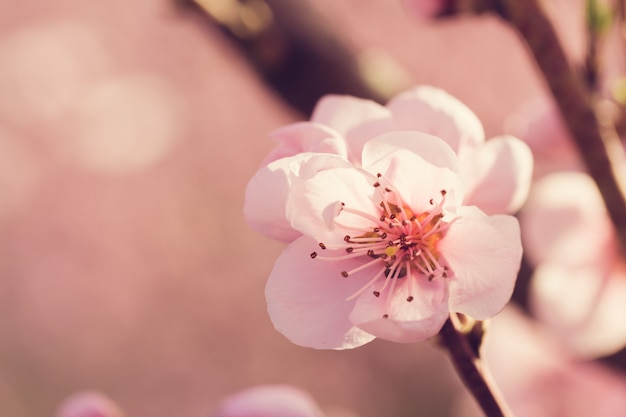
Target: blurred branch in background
[
  {"x": 597, "y": 140},
  {"x": 598, "y": 21},
  {"x": 297, "y": 52}
]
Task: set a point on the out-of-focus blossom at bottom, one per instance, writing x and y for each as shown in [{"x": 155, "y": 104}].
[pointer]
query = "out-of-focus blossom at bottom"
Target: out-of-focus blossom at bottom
[
  {"x": 269, "y": 401},
  {"x": 579, "y": 285},
  {"x": 538, "y": 380},
  {"x": 258, "y": 401},
  {"x": 89, "y": 404}
]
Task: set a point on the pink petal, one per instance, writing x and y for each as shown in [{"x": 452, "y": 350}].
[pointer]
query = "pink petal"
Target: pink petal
[
  {"x": 484, "y": 253},
  {"x": 307, "y": 298},
  {"x": 565, "y": 221},
  {"x": 538, "y": 379},
  {"x": 314, "y": 205},
  {"x": 306, "y": 137},
  {"x": 356, "y": 119},
  {"x": 579, "y": 305},
  {"x": 498, "y": 175},
  {"x": 269, "y": 401},
  {"x": 540, "y": 124},
  {"x": 88, "y": 404},
  {"x": 407, "y": 322},
  {"x": 418, "y": 165},
  {"x": 267, "y": 190},
  {"x": 434, "y": 111}
]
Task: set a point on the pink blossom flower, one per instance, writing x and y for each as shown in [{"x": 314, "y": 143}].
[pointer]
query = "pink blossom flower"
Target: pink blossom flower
[
  {"x": 538, "y": 379},
  {"x": 496, "y": 173},
  {"x": 258, "y": 401},
  {"x": 579, "y": 284},
  {"x": 269, "y": 401},
  {"x": 387, "y": 248},
  {"x": 89, "y": 404}
]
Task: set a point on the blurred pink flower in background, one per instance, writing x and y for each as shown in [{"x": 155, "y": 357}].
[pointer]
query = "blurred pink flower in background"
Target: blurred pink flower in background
[
  {"x": 385, "y": 209},
  {"x": 258, "y": 401},
  {"x": 269, "y": 401},
  {"x": 110, "y": 237},
  {"x": 538, "y": 380},
  {"x": 83, "y": 95},
  {"x": 89, "y": 404},
  {"x": 579, "y": 285},
  {"x": 341, "y": 125}
]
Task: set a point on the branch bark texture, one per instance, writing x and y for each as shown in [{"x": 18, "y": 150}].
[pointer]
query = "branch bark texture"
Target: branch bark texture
[{"x": 465, "y": 358}]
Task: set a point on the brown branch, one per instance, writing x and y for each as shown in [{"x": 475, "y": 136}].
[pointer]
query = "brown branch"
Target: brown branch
[
  {"x": 598, "y": 143},
  {"x": 464, "y": 353},
  {"x": 298, "y": 53}
]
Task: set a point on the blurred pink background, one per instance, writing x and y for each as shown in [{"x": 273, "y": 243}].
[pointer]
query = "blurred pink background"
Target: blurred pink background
[{"x": 127, "y": 135}]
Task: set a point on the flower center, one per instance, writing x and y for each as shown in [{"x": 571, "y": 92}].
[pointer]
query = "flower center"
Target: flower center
[{"x": 398, "y": 244}]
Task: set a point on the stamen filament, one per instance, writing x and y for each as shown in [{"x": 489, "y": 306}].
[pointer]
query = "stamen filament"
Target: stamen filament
[
  {"x": 362, "y": 267},
  {"x": 394, "y": 241},
  {"x": 362, "y": 214},
  {"x": 369, "y": 284}
]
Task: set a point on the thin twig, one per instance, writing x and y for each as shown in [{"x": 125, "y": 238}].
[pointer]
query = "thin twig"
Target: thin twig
[{"x": 471, "y": 369}]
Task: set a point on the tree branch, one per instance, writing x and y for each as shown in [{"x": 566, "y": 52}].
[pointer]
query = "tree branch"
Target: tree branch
[
  {"x": 597, "y": 140},
  {"x": 464, "y": 353}
]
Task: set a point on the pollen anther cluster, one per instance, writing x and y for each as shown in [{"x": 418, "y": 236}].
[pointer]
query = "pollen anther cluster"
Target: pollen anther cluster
[{"x": 397, "y": 244}]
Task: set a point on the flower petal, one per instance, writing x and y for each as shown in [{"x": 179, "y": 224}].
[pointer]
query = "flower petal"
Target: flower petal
[
  {"x": 356, "y": 119},
  {"x": 434, "y": 111},
  {"x": 269, "y": 401},
  {"x": 484, "y": 254},
  {"x": 406, "y": 321},
  {"x": 579, "y": 305},
  {"x": 418, "y": 165},
  {"x": 306, "y": 137},
  {"x": 89, "y": 404},
  {"x": 314, "y": 206},
  {"x": 497, "y": 175},
  {"x": 306, "y": 298},
  {"x": 266, "y": 192},
  {"x": 569, "y": 227}
]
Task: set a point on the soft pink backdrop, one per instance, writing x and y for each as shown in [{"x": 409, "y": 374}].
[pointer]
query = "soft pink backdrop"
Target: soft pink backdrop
[{"x": 127, "y": 135}]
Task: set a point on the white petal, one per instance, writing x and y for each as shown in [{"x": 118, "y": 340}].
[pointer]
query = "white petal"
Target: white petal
[
  {"x": 356, "y": 119},
  {"x": 314, "y": 206},
  {"x": 484, "y": 254},
  {"x": 418, "y": 165},
  {"x": 266, "y": 192},
  {"x": 434, "y": 111},
  {"x": 497, "y": 175},
  {"x": 405, "y": 321},
  {"x": 307, "y": 298},
  {"x": 306, "y": 137}
]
